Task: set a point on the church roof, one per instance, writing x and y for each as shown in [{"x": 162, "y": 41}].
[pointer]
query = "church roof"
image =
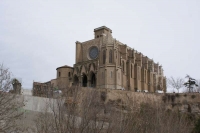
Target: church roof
[{"x": 65, "y": 66}]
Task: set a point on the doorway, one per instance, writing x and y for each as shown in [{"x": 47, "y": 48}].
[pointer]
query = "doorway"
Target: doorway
[
  {"x": 84, "y": 80},
  {"x": 76, "y": 81},
  {"x": 93, "y": 80}
]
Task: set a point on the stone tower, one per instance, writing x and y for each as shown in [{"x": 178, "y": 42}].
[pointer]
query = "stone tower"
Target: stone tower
[{"x": 16, "y": 86}]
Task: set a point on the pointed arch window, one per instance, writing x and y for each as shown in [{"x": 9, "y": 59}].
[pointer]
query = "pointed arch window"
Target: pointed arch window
[
  {"x": 104, "y": 57},
  {"x": 110, "y": 56},
  {"x": 131, "y": 70},
  {"x": 139, "y": 72},
  {"x": 123, "y": 65}
]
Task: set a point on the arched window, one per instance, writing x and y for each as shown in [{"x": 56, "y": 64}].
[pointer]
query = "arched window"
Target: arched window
[
  {"x": 139, "y": 73},
  {"x": 69, "y": 74},
  {"x": 120, "y": 60},
  {"x": 131, "y": 70},
  {"x": 110, "y": 56},
  {"x": 59, "y": 74},
  {"x": 122, "y": 66},
  {"x": 104, "y": 57}
]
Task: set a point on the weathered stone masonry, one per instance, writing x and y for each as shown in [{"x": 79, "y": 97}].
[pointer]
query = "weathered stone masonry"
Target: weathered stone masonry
[{"x": 104, "y": 62}]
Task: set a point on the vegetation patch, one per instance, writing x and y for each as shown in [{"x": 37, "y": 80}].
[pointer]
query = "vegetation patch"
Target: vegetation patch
[
  {"x": 103, "y": 96},
  {"x": 172, "y": 98},
  {"x": 177, "y": 95},
  {"x": 164, "y": 98},
  {"x": 185, "y": 102},
  {"x": 193, "y": 96}
]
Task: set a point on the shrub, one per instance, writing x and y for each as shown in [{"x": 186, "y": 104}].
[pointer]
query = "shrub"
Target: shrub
[
  {"x": 193, "y": 96},
  {"x": 173, "y": 105},
  {"x": 168, "y": 98},
  {"x": 172, "y": 98},
  {"x": 177, "y": 95},
  {"x": 189, "y": 108},
  {"x": 164, "y": 98},
  {"x": 103, "y": 96},
  {"x": 185, "y": 102},
  {"x": 197, "y": 127},
  {"x": 119, "y": 100}
]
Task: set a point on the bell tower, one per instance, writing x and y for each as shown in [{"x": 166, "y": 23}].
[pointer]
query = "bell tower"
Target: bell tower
[{"x": 102, "y": 31}]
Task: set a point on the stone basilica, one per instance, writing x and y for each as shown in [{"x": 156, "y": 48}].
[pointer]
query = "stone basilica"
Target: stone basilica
[{"x": 104, "y": 62}]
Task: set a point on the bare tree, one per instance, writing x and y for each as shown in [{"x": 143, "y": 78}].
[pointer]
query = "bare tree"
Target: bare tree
[
  {"x": 85, "y": 111},
  {"x": 74, "y": 112},
  {"x": 10, "y": 104},
  {"x": 175, "y": 83},
  {"x": 149, "y": 116}
]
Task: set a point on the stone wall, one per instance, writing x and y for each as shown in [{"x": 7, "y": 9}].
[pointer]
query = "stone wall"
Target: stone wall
[{"x": 184, "y": 102}]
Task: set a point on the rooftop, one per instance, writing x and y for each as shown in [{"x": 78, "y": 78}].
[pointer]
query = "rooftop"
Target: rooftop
[
  {"x": 65, "y": 66},
  {"x": 102, "y": 27}
]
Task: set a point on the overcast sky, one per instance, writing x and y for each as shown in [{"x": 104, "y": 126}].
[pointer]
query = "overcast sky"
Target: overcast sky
[{"x": 37, "y": 36}]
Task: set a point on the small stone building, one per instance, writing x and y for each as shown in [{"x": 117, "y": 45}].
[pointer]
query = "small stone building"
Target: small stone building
[
  {"x": 43, "y": 89},
  {"x": 104, "y": 62},
  {"x": 16, "y": 86}
]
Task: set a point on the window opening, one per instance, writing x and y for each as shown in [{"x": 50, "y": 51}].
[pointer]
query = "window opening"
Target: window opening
[
  {"x": 131, "y": 70},
  {"x": 110, "y": 56},
  {"x": 123, "y": 65},
  {"x": 104, "y": 57}
]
